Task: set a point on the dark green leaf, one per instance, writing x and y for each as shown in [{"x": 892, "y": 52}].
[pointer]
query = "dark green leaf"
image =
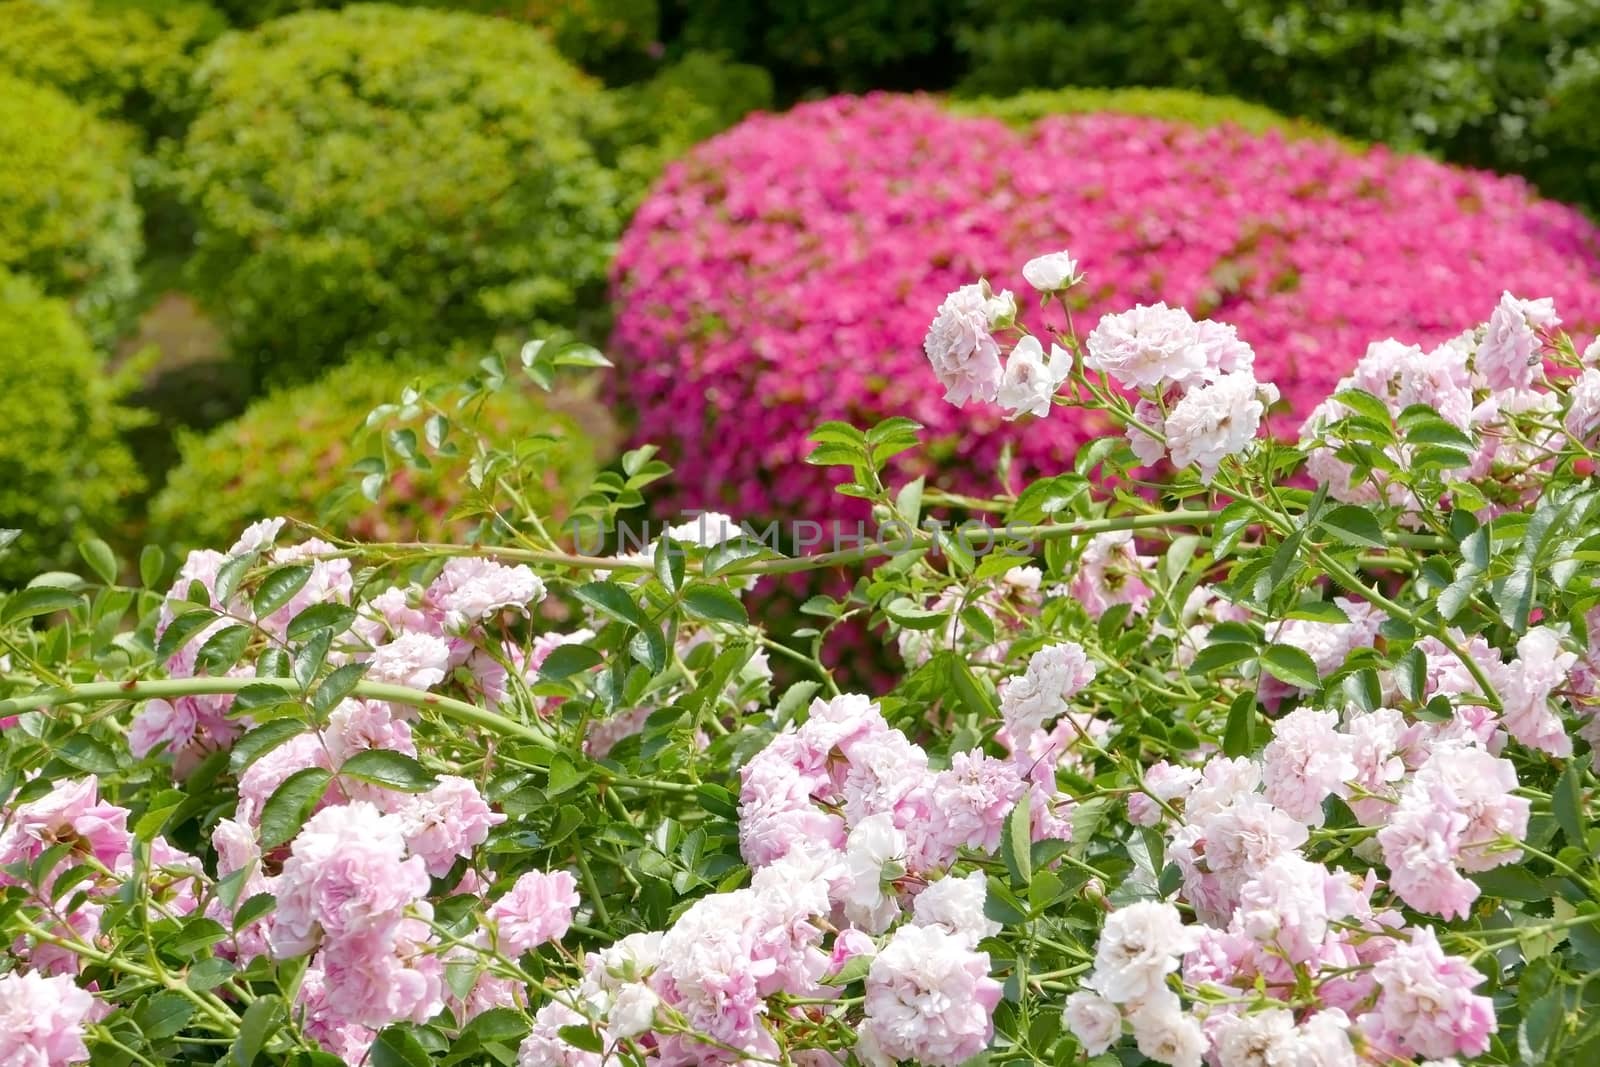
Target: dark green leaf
[
  {"x": 713, "y": 603},
  {"x": 397, "y": 1047},
  {"x": 289, "y": 805},
  {"x": 1016, "y": 847},
  {"x": 1239, "y": 735},
  {"x": 1288, "y": 664},
  {"x": 263, "y": 739},
  {"x": 223, "y": 649},
  {"x": 1567, "y": 801},
  {"x": 279, "y": 587},
  {"x": 325, "y": 616},
  {"x": 41, "y": 600},
  {"x": 163, "y": 1014},
  {"x": 388, "y": 768},
  {"x": 610, "y": 599},
  {"x": 1352, "y": 525},
  {"x": 260, "y": 1021},
  {"x": 566, "y": 660}
]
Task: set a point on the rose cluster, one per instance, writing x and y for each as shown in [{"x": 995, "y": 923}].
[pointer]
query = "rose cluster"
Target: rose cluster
[{"x": 781, "y": 274}]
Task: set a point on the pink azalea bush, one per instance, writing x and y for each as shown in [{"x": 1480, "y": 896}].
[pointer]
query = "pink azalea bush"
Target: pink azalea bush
[
  {"x": 1296, "y": 771},
  {"x": 783, "y": 273}
]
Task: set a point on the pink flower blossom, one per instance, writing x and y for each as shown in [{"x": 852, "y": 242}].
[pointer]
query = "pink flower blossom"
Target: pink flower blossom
[
  {"x": 930, "y": 998},
  {"x": 1111, "y": 572},
  {"x": 1140, "y": 945},
  {"x": 538, "y": 908},
  {"x": 1055, "y": 674},
  {"x": 471, "y": 589},
  {"x": 1216, "y": 420},
  {"x": 1307, "y": 761},
  {"x": 347, "y": 877},
  {"x": 964, "y": 355},
  {"x": 447, "y": 822},
  {"x": 41, "y": 1020},
  {"x": 414, "y": 660},
  {"x": 1426, "y": 1006}
]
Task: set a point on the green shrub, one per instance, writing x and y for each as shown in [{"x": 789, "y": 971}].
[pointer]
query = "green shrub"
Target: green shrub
[
  {"x": 122, "y": 58},
  {"x": 685, "y": 103},
  {"x": 64, "y": 471},
  {"x": 67, "y": 213},
  {"x": 291, "y": 453},
  {"x": 394, "y": 179},
  {"x": 1507, "y": 84},
  {"x": 1177, "y": 105}
]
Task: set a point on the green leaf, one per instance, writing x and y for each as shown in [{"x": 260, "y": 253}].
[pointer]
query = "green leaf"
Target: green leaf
[
  {"x": 43, "y": 600},
  {"x": 260, "y": 1021},
  {"x": 163, "y": 1014},
  {"x": 610, "y": 599},
  {"x": 390, "y": 769},
  {"x": 1214, "y": 658},
  {"x": 279, "y": 587},
  {"x": 972, "y": 694},
  {"x": 197, "y": 935},
  {"x": 854, "y": 970},
  {"x": 566, "y": 660},
  {"x": 1567, "y": 801},
  {"x": 326, "y": 616},
  {"x": 256, "y": 907},
  {"x": 1239, "y": 735},
  {"x": 714, "y": 604},
  {"x": 1288, "y": 664},
  {"x": 223, "y": 649},
  {"x": 1411, "y": 675},
  {"x": 290, "y": 804},
  {"x": 263, "y": 739},
  {"x": 913, "y": 616},
  {"x": 98, "y": 555},
  {"x": 208, "y": 974},
  {"x": 582, "y": 1038},
  {"x": 1352, "y": 525},
  {"x": 669, "y": 564},
  {"x": 397, "y": 1047},
  {"x": 152, "y": 564},
  {"x": 1016, "y": 847},
  {"x": 339, "y": 684},
  {"x": 309, "y": 658}
]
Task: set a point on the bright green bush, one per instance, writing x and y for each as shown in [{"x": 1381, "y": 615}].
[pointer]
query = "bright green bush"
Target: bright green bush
[
  {"x": 67, "y": 213},
  {"x": 123, "y": 58},
  {"x": 64, "y": 471},
  {"x": 393, "y": 178},
  {"x": 293, "y": 451},
  {"x": 685, "y": 103},
  {"x": 1176, "y": 105}
]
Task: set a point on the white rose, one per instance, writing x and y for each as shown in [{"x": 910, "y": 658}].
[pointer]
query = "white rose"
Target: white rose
[{"x": 1051, "y": 273}]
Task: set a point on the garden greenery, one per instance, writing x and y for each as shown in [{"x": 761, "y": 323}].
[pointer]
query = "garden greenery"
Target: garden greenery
[
  {"x": 67, "y": 212},
  {"x": 64, "y": 469},
  {"x": 292, "y": 451},
  {"x": 1283, "y": 758},
  {"x": 411, "y": 179}
]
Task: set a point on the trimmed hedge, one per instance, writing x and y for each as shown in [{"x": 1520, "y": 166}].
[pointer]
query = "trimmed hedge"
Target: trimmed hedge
[
  {"x": 64, "y": 470},
  {"x": 67, "y": 213},
  {"x": 394, "y": 179},
  {"x": 123, "y": 58},
  {"x": 782, "y": 273},
  {"x": 292, "y": 451},
  {"x": 1174, "y": 105}
]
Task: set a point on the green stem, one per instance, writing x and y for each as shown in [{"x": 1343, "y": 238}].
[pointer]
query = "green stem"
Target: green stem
[{"x": 150, "y": 689}]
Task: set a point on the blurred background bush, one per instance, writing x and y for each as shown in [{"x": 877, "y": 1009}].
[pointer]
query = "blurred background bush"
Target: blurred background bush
[
  {"x": 212, "y": 209},
  {"x": 64, "y": 470}
]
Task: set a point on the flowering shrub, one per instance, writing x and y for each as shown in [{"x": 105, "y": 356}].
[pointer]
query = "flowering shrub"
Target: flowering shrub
[
  {"x": 1245, "y": 774},
  {"x": 780, "y": 274},
  {"x": 291, "y": 453}
]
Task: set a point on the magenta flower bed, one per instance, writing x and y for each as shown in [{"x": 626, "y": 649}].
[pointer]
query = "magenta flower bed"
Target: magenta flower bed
[{"x": 783, "y": 272}]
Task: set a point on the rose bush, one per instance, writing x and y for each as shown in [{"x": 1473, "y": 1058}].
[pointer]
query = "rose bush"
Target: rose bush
[
  {"x": 781, "y": 272},
  {"x": 1286, "y": 761}
]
